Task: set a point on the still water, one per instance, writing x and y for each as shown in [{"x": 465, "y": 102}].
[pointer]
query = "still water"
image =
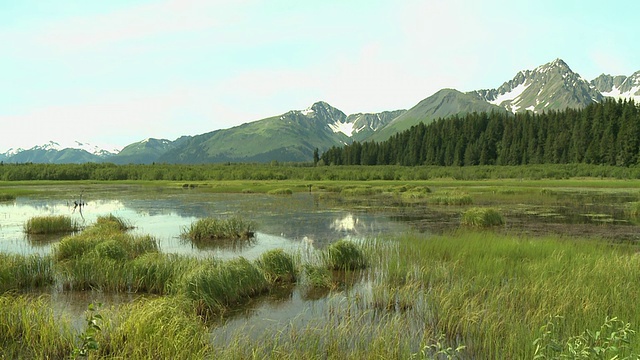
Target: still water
[{"x": 287, "y": 222}]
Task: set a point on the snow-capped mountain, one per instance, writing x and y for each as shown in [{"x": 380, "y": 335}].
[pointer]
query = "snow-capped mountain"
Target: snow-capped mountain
[
  {"x": 552, "y": 86},
  {"x": 619, "y": 87},
  {"x": 54, "y": 152},
  {"x": 294, "y": 135}
]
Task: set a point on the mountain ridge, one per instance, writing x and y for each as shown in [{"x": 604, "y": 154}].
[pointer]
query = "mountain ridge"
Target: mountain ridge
[{"x": 296, "y": 134}]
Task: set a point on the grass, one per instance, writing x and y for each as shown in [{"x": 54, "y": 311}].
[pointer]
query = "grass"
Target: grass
[
  {"x": 450, "y": 198},
  {"x": 279, "y": 191},
  {"x": 215, "y": 287},
  {"x": 277, "y": 266},
  {"x": 423, "y": 297},
  {"x": 345, "y": 255},
  {"x": 7, "y": 197},
  {"x": 18, "y": 272},
  {"x": 112, "y": 220},
  {"x": 51, "y": 225},
  {"x": 482, "y": 217},
  {"x": 208, "y": 229},
  {"x": 29, "y": 329}
]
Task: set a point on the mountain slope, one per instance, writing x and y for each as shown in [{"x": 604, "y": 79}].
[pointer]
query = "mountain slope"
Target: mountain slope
[
  {"x": 619, "y": 87},
  {"x": 552, "y": 86},
  {"x": 292, "y": 136},
  {"x": 444, "y": 103},
  {"x": 146, "y": 151}
]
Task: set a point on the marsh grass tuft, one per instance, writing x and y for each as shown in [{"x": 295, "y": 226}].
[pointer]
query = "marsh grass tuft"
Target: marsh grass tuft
[
  {"x": 345, "y": 255},
  {"x": 482, "y": 217},
  {"x": 51, "y": 225},
  {"x": 285, "y": 191},
  {"x": 214, "y": 287},
  {"x": 20, "y": 272},
  {"x": 207, "y": 229},
  {"x": 7, "y": 197},
  {"x": 30, "y": 330},
  {"x": 112, "y": 220},
  {"x": 450, "y": 198},
  {"x": 277, "y": 266},
  {"x": 158, "y": 328}
]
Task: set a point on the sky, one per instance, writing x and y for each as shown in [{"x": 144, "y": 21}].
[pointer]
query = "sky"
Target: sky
[{"x": 110, "y": 73}]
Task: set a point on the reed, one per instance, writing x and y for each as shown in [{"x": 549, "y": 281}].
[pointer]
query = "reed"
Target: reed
[
  {"x": 7, "y": 197},
  {"x": 29, "y": 329},
  {"x": 50, "y": 225},
  {"x": 19, "y": 272},
  {"x": 482, "y": 217},
  {"x": 214, "y": 287},
  {"x": 207, "y": 229},
  {"x": 450, "y": 198},
  {"x": 159, "y": 328},
  {"x": 112, "y": 220},
  {"x": 285, "y": 191},
  {"x": 345, "y": 255},
  {"x": 277, "y": 266},
  {"x": 317, "y": 277}
]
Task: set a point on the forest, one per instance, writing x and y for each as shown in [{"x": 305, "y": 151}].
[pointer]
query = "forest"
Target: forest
[{"x": 606, "y": 133}]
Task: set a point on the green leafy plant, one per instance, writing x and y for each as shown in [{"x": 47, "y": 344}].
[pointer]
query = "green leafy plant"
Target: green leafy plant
[
  {"x": 88, "y": 337},
  {"x": 610, "y": 341}
]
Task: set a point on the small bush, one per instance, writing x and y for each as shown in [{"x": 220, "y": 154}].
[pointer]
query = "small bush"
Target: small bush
[
  {"x": 345, "y": 255},
  {"x": 50, "y": 225},
  {"x": 482, "y": 217}
]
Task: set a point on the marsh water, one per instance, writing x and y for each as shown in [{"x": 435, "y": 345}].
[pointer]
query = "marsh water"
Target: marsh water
[{"x": 299, "y": 222}]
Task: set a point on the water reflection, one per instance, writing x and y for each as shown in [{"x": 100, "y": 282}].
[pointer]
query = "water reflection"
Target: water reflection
[{"x": 291, "y": 222}]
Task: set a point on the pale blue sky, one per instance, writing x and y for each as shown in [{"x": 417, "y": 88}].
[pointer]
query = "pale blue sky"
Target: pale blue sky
[{"x": 114, "y": 72}]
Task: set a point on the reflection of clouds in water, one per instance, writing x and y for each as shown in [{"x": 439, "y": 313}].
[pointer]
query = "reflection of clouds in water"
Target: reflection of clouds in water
[{"x": 346, "y": 224}]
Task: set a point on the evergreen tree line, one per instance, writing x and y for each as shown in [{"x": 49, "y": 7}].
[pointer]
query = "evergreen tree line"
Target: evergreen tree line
[{"x": 606, "y": 133}]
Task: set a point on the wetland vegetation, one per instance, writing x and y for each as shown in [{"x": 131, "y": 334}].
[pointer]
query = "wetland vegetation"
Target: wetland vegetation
[{"x": 555, "y": 279}]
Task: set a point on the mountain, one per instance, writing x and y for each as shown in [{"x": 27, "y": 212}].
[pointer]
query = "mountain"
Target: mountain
[
  {"x": 53, "y": 153},
  {"x": 146, "y": 151},
  {"x": 619, "y": 87},
  {"x": 444, "y": 103},
  {"x": 292, "y": 136},
  {"x": 552, "y": 86}
]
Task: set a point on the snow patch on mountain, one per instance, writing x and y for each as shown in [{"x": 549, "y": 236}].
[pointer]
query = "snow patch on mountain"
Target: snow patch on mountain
[
  {"x": 343, "y": 127},
  {"x": 510, "y": 95}
]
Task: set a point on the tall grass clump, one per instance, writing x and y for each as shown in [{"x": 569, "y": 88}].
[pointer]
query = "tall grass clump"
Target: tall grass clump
[
  {"x": 100, "y": 257},
  {"x": 158, "y": 328},
  {"x": 345, "y": 255},
  {"x": 450, "y": 198},
  {"x": 285, "y": 191},
  {"x": 112, "y": 220},
  {"x": 207, "y": 229},
  {"x": 482, "y": 217},
  {"x": 277, "y": 266},
  {"x": 214, "y": 287},
  {"x": 30, "y": 330},
  {"x": 7, "y": 197},
  {"x": 20, "y": 272},
  {"x": 50, "y": 225}
]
